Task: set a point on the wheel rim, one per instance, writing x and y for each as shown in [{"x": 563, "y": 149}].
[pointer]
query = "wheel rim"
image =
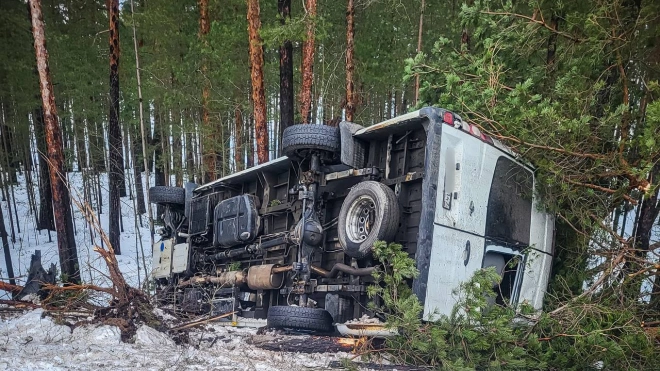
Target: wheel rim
[{"x": 360, "y": 219}]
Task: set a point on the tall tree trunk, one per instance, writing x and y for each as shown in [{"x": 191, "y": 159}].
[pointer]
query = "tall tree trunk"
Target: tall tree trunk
[
  {"x": 46, "y": 220},
  {"x": 97, "y": 151},
  {"x": 239, "y": 155},
  {"x": 79, "y": 133},
  {"x": 308, "y": 63},
  {"x": 116, "y": 168},
  {"x": 142, "y": 143},
  {"x": 552, "y": 50},
  {"x": 249, "y": 135},
  {"x": 350, "y": 66},
  {"x": 257, "y": 77},
  {"x": 61, "y": 203},
  {"x": 177, "y": 163},
  {"x": 159, "y": 171},
  {"x": 190, "y": 157},
  {"x": 208, "y": 143},
  {"x": 419, "y": 46},
  {"x": 5, "y": 249},
  {"x": 286, "y": 72}
]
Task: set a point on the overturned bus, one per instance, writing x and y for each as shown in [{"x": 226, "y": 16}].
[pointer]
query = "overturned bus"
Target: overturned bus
[{"x": 290, "y": 240}]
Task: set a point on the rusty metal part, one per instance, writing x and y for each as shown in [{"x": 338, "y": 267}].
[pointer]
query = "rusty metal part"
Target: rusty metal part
[
  {"x": 234, "y": 278},
  {"x": 262, "y": 277},
  {"x": 339, "y": 267},
  {"x": 286, "y": 268}
]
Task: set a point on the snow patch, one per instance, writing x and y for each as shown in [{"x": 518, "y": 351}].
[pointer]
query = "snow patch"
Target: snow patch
[{"x": 149, "y": 337}]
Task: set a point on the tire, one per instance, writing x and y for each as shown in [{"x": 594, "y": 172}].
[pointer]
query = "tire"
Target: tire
[
  {"x": 305, "y": 137},
  {"x": 167, "y": 195},
  {"x": 370, "y": 212},
  {"x": 300, "y": 318}
]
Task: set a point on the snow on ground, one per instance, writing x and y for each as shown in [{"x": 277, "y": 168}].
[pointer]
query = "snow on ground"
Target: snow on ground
[
  {"x": 35, "y": 342},
  {"x": 134, "y": 238}
]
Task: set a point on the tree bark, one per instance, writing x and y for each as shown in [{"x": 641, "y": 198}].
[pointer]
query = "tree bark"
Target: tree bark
[
  {"x": 46, "y": 220},
  {"x": 116, "y": 168},
  {"x": 257, "y": 77},
  {"x": 5, "y": 249},
  {"x": 308, "y": 63},
  {"x": 350, "y": 66},
  {"x": 552, "y": 43},
  {"x": 177, "y": 162},
  {"x": 138, "y": 168},
  {"x": 286, "y": 72},
  {"x": 419, "y": 46},
  {"x": 239, "y": 154},
  {"x": 208, "y": 142},
  {"x": 159, "y": 171},
  {"x": 61, "y": 202}
]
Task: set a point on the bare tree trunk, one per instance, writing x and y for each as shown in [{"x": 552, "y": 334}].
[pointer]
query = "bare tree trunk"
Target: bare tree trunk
[
  {"x": 286, "y": 72},
  {"x": 5, "y": 249},
  {"x": 116, "y": 168},
  {"x": 138, "y": 168},
  {"x": 190, "y": 157},
  {"x": 249, "y": 135},
  {"x": 175, "y": 149},
  {"x": 159, "y": 172},
  {"x": 239, "y": 155},
  {"x": 350, "y": 66},
  {"x": 308, "y": 63},
  {"x": 46, "y": 220},
  {"x": 143, "y": 140},
  {"x": 208, "y": 143},
  {"x": 419, "y": 46},
  {"x": 61, "y": 202},
  {"x": 257, "y": 78},
  {"x": 552, "y": 44}
]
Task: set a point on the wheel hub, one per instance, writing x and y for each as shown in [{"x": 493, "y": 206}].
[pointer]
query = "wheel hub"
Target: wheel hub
[{"x": 360, "y": 219}]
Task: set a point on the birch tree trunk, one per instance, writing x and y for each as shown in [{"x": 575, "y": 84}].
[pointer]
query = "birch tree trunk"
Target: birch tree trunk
[{"x": 66, "y": 242}]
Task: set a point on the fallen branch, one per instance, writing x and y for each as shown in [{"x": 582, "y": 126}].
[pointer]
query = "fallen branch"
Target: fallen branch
[
  {"x": 14, "y": 289},
  {"x": 19, "y": 304},
  {"x": 201, "y": 322}
]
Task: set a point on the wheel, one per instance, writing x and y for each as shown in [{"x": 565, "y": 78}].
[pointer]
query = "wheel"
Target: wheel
[
  {"x": 167, "y": 195},
  {"x": 370, "y": 212},
  {"x": 300, "y": 318},
  {"x": 298, "y": 139}
]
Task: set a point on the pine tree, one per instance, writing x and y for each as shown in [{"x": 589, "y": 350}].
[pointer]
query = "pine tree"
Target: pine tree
[
  {"x": 116, "y": 168},
  {"x": 257, "y": 78},
  {"x": 308, "y": 63},
  {"x": 286, "y": 71},
  {"x": 61, "y": 203},
  {"x": 350, "y": 63}
]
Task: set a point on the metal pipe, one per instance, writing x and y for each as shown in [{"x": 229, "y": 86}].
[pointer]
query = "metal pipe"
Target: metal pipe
[
  {"x": 233, "y": 278},
  {"x": 340, "y": 267}
]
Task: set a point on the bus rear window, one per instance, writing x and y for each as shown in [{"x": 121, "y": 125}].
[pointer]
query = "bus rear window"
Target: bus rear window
[{"x": 508, "y": 217}]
